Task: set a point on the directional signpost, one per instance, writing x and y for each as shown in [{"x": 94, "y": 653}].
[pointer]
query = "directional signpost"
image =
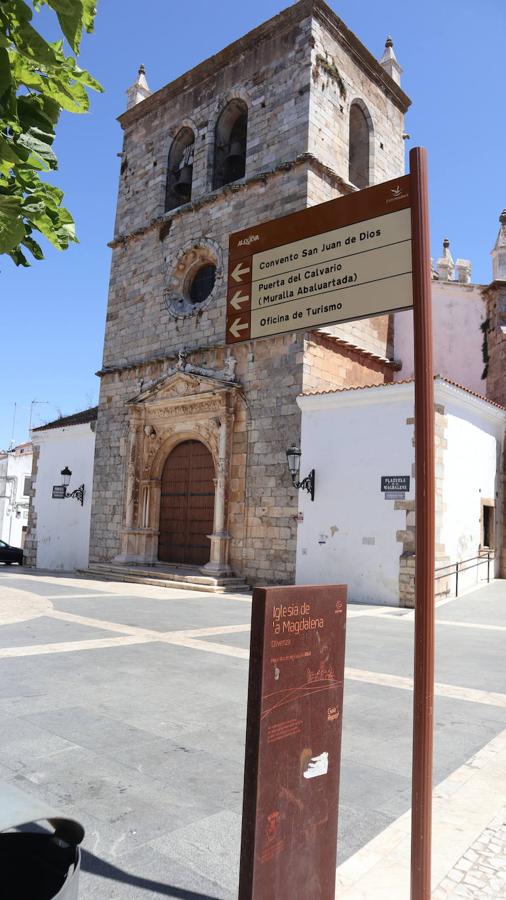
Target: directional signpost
[
  {"x": 362, "y": 255},
  {"x": 342, "y": 260}
]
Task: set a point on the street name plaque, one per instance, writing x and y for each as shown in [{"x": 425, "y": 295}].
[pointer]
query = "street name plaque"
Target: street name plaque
[
  {"x": 346, "y": 259},
  {"x": 395, "y": 482},
  {"x": 293, "y": 743}
]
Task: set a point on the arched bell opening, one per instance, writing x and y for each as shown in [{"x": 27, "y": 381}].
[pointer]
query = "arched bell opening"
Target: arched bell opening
[
  {"x": 187, "y": 495},
  {"x": 230, "y": 144},
  {"x": 360, "y": 150},
  {"x": 180, "y": 169}
]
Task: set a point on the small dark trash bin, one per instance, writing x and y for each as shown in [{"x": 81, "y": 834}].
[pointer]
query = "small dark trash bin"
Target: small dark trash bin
[{"x": 36, "y": 865}]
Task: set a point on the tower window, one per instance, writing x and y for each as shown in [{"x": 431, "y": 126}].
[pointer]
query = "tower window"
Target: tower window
[
  {"x": 230, "y": 144},
  {"x": 180, "y": 170},
  {"x": 359, "y": 146},
  {"x": 202, "y": 283}
]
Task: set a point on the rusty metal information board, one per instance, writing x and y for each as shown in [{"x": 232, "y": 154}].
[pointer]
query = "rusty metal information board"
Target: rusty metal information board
[
  {"x": 345, "y": 259},
  {"x": 293, "y": 743}
]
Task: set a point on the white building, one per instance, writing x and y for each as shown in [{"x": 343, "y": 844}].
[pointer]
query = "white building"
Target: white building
[
  {"x": 59, "y": 532},
  {"x": 15, "y": 484},
  {"x": 459, "y": 311},
  {"x": 353, "y": 532}
]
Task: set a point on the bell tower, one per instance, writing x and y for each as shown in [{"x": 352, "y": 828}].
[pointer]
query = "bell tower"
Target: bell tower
[{"x": 294, "y": 113}]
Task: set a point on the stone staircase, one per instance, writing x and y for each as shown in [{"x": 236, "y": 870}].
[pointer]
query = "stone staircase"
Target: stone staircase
[{"x": 188, "y": 578}]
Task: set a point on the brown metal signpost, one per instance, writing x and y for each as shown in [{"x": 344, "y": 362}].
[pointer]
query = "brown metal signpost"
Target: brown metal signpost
[
  {"x": 293, "y": 744},
  {"x": 358, "y": 256},
  {"x": 423, "y": 698}
]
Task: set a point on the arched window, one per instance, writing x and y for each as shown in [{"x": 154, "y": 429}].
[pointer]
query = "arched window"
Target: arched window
[
  {"x": 180, "y": 169},
  {"x": 230, "y": 144},
  {"x": 359, "y": 146}
]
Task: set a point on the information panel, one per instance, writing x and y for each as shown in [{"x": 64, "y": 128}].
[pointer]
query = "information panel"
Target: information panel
[
  {"x": 346, "y": 259},
  {"x": 293, "y": 743}
]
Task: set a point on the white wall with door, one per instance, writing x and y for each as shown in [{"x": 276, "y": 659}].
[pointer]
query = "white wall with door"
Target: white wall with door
[{"x": 351, "y": 533}]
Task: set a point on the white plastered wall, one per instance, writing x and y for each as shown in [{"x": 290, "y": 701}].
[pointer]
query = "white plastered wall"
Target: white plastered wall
[
  {"x": 351, "y": 438},
  {"x": 63, "y": 526},
  {"x": 458, "y": 311},
  {"x": 474, "y": 436},
  {"x": 348, "y": 534}
]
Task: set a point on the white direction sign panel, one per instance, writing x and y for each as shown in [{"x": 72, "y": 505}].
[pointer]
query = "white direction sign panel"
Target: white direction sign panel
[{"x": 346, "y": 259}]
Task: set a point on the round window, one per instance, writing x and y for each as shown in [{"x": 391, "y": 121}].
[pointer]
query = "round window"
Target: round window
[{"x": 202, "y": 283}]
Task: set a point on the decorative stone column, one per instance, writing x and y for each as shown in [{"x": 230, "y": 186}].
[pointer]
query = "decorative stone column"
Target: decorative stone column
[{"x": 218, "y": 561}]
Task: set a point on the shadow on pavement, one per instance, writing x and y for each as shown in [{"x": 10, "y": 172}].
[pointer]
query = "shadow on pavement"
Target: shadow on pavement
[{"x": 96, "y": 866}]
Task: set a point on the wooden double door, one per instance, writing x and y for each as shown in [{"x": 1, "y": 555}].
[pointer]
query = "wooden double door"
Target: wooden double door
[{"x": 187, "y": 505}]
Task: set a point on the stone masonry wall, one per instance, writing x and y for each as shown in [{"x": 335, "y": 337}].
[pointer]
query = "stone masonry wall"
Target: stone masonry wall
[
  {"x": 407, "y": 562},
  {"x": 495, "y": 343},
  {"x": 272, "y": 76},
  {"x": 340, "y": 77}
]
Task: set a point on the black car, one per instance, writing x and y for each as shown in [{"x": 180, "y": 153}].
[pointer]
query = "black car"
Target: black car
[{"x": 9, "y": 555}]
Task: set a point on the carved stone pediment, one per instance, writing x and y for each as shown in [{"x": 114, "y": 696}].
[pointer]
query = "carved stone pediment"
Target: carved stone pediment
[{"x": 181, "y": 385}]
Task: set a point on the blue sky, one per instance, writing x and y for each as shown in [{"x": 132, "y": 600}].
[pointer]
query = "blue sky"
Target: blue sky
[{"x": 52, "y": 315}]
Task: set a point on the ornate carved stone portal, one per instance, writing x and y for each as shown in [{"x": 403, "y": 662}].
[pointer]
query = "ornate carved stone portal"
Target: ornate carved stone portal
[{"x": 184, "y": 405}]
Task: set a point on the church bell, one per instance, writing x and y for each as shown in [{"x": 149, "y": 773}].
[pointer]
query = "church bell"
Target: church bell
[{"x": 183, "y": 186}]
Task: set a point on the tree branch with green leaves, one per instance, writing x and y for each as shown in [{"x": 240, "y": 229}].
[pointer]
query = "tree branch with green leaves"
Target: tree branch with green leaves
[{"x": 37, "y": 82}]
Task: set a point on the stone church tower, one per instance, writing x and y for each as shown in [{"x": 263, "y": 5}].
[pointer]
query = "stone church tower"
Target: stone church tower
[{"x": 191, "y": 442}]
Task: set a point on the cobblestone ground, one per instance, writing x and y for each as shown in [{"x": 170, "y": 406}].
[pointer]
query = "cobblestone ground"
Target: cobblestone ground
[{"x": 482, "y": 870}]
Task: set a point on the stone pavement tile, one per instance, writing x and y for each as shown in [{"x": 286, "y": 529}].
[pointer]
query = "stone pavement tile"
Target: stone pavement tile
[
  {"x": 481, "y": 871},
  {"x": 486, "y": 608},
  {"x": 45, "y": 630},
  {"x": 357, "y": 829},
  {"x": 127, "y": 808},
  {"x": 188, "y": 772},
  {"x": 161, "y": 716},
  {"x": 360, "y": 782},
  {"x": 145, "y": 873},
  {"x": 160, "y": 613},
  {"x": 241, "y": 639},
  {"x": 89, "y": 729},
  {"x": 38, "y": 585},
  {"x": 227, "y": 741},
  {"x": 210, "y": 847}
]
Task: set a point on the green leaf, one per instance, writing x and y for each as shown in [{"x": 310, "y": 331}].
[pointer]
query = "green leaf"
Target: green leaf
[
  {"x": 37, "y": 81},
  {"x": 38, "y": 142},
  {"x": 19, "y": 258},
  {"x": 34, "y": 248},
  {"x": 12, "y": 230},
  {"x": 10, "y": 153},
  {"x": 70, "y": 17},
  {"x": 36, "y": 112}
]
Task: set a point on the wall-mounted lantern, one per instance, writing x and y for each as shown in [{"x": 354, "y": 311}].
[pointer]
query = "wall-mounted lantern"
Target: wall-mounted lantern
[
  {"x": 293, "y": 455},
  {"x": 78, "y": 494}
]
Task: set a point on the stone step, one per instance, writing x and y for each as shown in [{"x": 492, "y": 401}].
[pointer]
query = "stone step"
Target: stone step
[{"x": 182, "y": 577}]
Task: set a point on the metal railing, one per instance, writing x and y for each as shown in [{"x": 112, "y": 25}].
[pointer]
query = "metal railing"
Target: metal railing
[{"x": 463, "y": 565}]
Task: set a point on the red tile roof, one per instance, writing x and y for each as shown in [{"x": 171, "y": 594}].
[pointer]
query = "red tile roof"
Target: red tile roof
[
  {"x": 79, "y": 418},
  {"x": 367, "y": 387}
]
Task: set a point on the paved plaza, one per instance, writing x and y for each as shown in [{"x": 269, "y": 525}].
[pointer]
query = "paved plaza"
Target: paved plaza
[{"x": 125, "y": 705}]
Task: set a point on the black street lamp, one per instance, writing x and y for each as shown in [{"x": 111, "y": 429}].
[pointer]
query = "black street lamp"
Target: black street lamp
[
  {"x": 78, "y": 494},
  {"x": 293, "y": 455}
]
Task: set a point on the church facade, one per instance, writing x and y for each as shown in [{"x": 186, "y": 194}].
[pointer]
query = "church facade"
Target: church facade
[{"x": 190, "y": 460}]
